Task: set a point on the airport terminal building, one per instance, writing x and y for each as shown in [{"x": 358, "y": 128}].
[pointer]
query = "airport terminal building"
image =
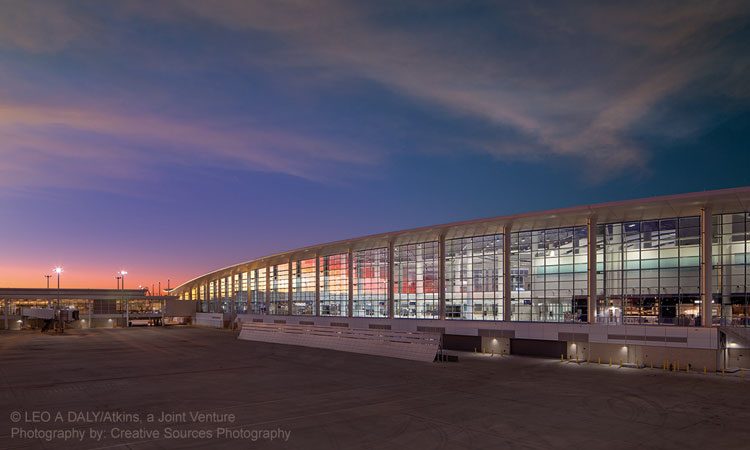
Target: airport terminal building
[{"x": 642, "y": 281}]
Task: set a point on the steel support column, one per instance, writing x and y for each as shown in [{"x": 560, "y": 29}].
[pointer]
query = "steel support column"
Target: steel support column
[
  {"x": 389, "y": 313},
  {"x": 591, "y": 284},
  {"x": 267, "y": 300},
  {"x": 441, "y": 275},
  {"x": 706, "y": 267},
  {"x": 507, "y": 310},
  {"x": 290, "y": 302},
  {"x": 350, "y": 273},
  {"x": 316, "y": 312}
]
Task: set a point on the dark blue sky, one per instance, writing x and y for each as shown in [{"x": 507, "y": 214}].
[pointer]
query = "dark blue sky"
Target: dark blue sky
[{"x": 173, "y": 138}]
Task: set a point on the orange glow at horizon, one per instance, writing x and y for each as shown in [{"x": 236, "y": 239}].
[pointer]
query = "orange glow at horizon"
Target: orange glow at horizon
[{"x": 86, "y": 277}]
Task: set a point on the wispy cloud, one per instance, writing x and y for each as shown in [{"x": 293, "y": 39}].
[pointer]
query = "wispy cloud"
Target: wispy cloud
[
  {"x": 39, "y": 26},
  {"x": 570, "y": 80},
  {"x": 531, "y": 76},
  {"x": 71, "y": 147}
]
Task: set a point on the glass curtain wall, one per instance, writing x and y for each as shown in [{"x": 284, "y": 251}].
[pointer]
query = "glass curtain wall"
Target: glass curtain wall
[
  {"x": 415, "y": 284},
  {"x": 202, "y": 304},
  {"x": 334, "y": 285},
  {"x": 221, "y": 297},
  {"x": 731, "y": 254},
  {"x": 370, "y": 282},
  {"x": 204, "y": 298},
  {"x": 242, "y": 294},
  {"x": 258, "y": 291},
  {"x": 279, "y": 289},
  {"x": 224, "y": 300},
  {"x": 303, "y": 289},
  {"x": 234, "y": 292},
  {"x": 213, "y": 294},
  {"x": 474, "y": 278},
  {"x": 549, "y": 277},
  {"x": 651, "y": 272},
  {"x": 228, "y": 294}
]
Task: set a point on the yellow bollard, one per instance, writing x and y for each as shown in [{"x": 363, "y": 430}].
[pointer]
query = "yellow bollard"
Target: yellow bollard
[
  {"x": 705, "y": 371},
  {"x": 599, "y": 359},
  {"x": 610, "y": 361}
]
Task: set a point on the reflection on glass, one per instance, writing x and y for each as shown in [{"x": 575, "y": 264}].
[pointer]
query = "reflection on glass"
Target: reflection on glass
[
  {"x": 303, "y": 287},
  {"x": 731, "y": 254},
  {"x": 415, "y": 284},
  {"x": 549, "y": 273},
  {"x": 334, "y": 285},
  {"x": 371, "y": 283},
  {"x": 474, "y": 278},
  {"x": 649, "y": 272}
]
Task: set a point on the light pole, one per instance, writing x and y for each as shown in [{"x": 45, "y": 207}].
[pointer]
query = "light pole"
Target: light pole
[
  {"x": 118, "y": 282},
  {"x": 49, "y": 302},
  {"x": 58, "y": 270},
  {"x": 127, "y": 303}
]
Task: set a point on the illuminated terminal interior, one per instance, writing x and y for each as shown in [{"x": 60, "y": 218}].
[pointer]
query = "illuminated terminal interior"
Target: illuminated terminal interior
[
  {"x": 635, "y": 262},
  {"x": 640, "y": 282}
]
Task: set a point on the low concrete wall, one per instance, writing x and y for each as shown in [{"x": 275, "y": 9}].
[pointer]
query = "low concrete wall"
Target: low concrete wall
[
  {"x": 655, "y": 356},
  {"x": 644, "y": 335},
  {"x": 394, "y": 344},
  {"x": 643, "y": 344},
  {"x": 213, "y": 320}
]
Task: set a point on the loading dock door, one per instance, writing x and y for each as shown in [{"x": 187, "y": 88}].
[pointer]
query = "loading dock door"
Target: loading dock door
[
  {"x": 538, "y": 347},
  {"x": 462, "y": 343}
]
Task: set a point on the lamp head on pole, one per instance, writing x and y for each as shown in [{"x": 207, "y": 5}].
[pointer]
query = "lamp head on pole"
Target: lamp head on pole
[{"x": 58, "y": 270}]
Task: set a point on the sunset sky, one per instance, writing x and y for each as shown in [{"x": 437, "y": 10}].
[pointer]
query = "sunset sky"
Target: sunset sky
[{"x": 172, "y": 138}]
